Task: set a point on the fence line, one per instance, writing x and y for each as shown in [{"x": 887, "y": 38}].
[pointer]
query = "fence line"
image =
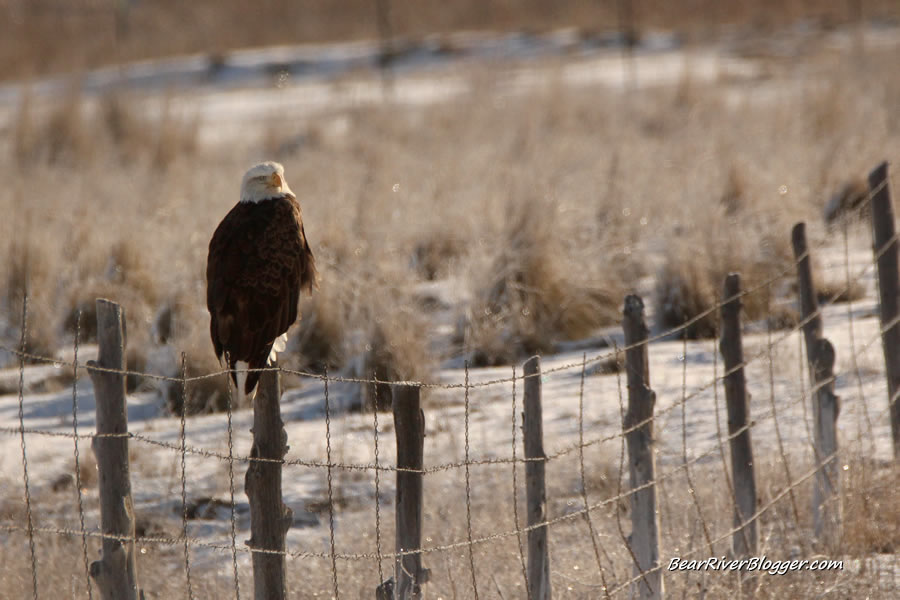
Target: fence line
[
  {"x": 77, "y": 455},
  {"x": 662, "y": 336},
  {"x": 433, "y": 469},
  {"x": 647, "y": 574},
  {"x": 170, "y": 541}
]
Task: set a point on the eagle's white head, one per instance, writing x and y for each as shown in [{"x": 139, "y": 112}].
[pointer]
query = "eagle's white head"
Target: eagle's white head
[{"x": 263, "y": 182}]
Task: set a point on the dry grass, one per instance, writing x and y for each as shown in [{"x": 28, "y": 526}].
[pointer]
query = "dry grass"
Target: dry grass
[
  {"x": 871, "y": 518},
  {"x": 396, "y": 348},
  {"x": 872, "y": 526},
  {"x": 543, "y": 212},
  {"x": 690, "y": 282},
  {"x": 536, "y": 291},
  {"x": 557, "y": 202},
  {"x": 74, "y": 131}
]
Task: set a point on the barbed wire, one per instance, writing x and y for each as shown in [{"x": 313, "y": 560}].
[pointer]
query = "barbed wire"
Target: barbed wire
[
  {"x": 189, "y": 449},
  {"x": 821, "y": 464},
  {"x": 172, "y": 541},
  {"x": 471, "y": 540},
  {"x": 786, "y": 333}
]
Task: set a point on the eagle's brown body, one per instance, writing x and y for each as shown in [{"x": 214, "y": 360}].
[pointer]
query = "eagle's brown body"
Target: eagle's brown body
[{"x": 259, "y": 260}]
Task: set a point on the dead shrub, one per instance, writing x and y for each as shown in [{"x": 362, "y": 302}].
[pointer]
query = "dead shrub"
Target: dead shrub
[
  {"x": 130, "y": 133},
  {"x": 782, "y": 316},
  {"x": 26, "y": 138},
  {"x": 126, "y": 266},
  {"x": 172, "y": 319},
  {"x": 81, "y": 317},
  {"x": 30, "y": 271},
  {"x": 65, "y": 135},
  {"x": 826, "y": 110},
  {"x": 319, "y": 340},
  {"x": 734, "y": 195},
  {"x": 837, "y": 292},
  {"x": 609, "y": 365},
  {"x": 433, "y": 256},
  {"x": 208, "y": 393},
  {"x": 849, "y": 203},
  {"x": 177, "y": 138},
  {"x": 689, "y": 283},
  {"x": 535, "y": 292},
  {"x": 396, "y": 349},
  {"x": 82, "y": 301}
]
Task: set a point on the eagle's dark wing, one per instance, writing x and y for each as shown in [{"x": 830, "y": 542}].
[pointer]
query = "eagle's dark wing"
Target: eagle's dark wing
[{"x": 258, "y": 262}]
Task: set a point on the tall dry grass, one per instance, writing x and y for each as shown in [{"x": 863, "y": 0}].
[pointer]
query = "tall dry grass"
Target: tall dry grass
[
  {"x": 531, "y": 214},
  {"x": 870, "y": 538}
]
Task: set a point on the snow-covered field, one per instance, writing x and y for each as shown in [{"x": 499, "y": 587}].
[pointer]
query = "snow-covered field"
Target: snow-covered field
[{"x": 691, "y": 419}]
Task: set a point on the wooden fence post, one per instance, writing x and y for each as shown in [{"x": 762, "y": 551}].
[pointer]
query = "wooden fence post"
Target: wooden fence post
[
  {"x": 809, "y": 305},
  {"x": 745, "y": 541},
  {"x": 885, "y": 248},
  {"x": 270, "y": 519},
  {"x": 535, "y": 488},
  {"x": 826, "y": 406},
  {"x": 115, "y": 572},
  {"x": 638, "y": 424},
  {"x": 826, "y": 490},
  {"x": 409, "y": 426}
]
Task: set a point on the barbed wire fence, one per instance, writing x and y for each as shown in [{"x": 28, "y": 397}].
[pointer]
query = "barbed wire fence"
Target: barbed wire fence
[{"x": 533, "y": 563}]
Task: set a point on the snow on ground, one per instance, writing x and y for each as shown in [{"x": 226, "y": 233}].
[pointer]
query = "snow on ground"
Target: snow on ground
[
  {"x": 227, "y": 103},
  {"x": 156, "y": 460},
  {"x": 227, "y": 93}
]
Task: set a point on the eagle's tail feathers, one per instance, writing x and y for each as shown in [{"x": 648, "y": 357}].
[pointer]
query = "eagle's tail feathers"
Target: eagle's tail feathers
[{"x": 278, "y": 346}]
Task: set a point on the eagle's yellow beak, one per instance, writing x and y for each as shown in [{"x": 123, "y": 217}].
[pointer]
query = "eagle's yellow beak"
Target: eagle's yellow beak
[{"x": 276, "y": 180}]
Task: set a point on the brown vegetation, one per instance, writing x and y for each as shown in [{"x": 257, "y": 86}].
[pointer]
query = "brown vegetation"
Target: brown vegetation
[
  {"x": 47, "y": 37},
  {"x": 536, "y": 291}
]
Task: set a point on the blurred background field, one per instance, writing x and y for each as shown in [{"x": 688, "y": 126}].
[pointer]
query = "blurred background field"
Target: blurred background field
[{"x": 480, "y": 181}]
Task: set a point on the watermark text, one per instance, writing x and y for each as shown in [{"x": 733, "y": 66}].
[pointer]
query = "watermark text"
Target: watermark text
[{"x": 759, "y": 564}]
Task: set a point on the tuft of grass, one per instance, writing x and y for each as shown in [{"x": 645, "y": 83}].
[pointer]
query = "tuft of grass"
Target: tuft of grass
[
  {"x": 849, "y": 203},
  {"x": 207, "y": 394},
  {"x": 396, "y": 349},
  {"x": 30, "y": 271},
  {"x": 177, "y": 138},
  {"x": 689, "y": 282},
  {"x": 130, "y": 133},
  {"x": 65, "y": 137},
  {"x": 734, "y": 195},
  {"x": 837, "y": 291},
  {"x": 75, "y": 131},
  {"x": 434, "y": 255},
  {"x": 534, "y": 292},
  {"x": 319, "y": 340}
]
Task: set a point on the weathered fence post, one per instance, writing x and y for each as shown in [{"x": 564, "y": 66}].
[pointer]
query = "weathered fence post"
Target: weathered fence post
[
  {"x": 885, "y": 247},
  {"x": 745, "y": 541},
  {"x": 826, "y": 405},
  {"x": 115, "y": 572},
  {"x": 826, "y": 491},
  {"x": 638, "y": 425},
  {"x": 270, "y": 519},
  {"x": 809, "y": 305},
  {"x": 535, "y": 488},
  {"x": 409, "y": 426}
]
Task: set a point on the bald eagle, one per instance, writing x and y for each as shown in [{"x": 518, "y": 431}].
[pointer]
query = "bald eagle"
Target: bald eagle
[{"x": 259, "y": 261}]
